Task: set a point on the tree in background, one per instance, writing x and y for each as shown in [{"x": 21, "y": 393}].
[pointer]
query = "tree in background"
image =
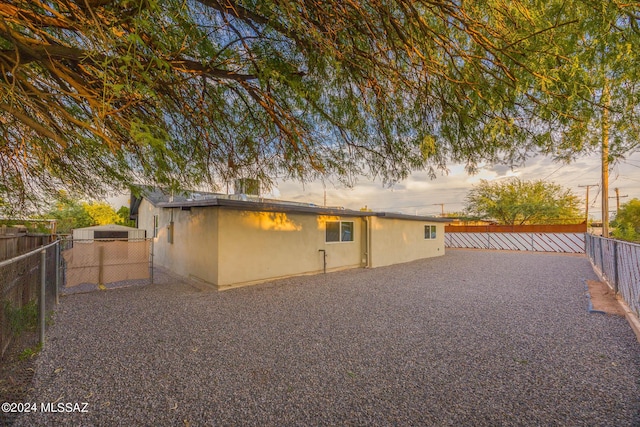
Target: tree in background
[
  {"x": 71, "y": 214},
  {"x": 99, "y": 94},
  {"x": 123, "y": 214},
  {"x": 627, "y": 222},
  {"x": 516, "y": 202},
  {"x": 101, "y": 213}
]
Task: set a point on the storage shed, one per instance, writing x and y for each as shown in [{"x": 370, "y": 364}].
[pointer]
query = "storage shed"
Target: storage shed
[{"x": 110, "y": 231}]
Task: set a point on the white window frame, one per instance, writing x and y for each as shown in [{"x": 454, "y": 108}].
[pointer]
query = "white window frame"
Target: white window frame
[
  {"x": 432, "y": 232},
  {"x": 340, "y": 231}
]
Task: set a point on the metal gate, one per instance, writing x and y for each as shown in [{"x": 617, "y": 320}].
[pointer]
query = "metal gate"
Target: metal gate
[{"x": 106, "y": 263}]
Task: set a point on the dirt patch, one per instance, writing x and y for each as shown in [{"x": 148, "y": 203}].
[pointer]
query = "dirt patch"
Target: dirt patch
[{"x": 604, "y": 299}]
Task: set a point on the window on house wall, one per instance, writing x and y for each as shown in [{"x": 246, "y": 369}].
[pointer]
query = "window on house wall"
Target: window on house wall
[
  {"x": 429, "y": 231},
  {"x": 339, "y": 231},
  {"x": 156, "y": 222}
]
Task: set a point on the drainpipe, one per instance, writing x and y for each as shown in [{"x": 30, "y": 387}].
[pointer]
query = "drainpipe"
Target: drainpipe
[
  {"x": 324, "y": 260},
  {"x": 367, "y": 243}
]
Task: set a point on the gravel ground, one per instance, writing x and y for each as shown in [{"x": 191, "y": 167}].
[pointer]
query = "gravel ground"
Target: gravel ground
[{"x": 482, "y": 338}]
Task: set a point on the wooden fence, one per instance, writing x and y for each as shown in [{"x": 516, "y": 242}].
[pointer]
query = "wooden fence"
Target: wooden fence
[
  {"x": 13, "y": 245},
  {"x": 568, "y": 238}
]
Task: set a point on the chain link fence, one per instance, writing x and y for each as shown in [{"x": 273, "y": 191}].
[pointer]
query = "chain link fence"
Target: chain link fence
[
  {"x": 618, "y": 263},
  {"x": 90, "y": 264},
  {"x": 28, "y": 294}
]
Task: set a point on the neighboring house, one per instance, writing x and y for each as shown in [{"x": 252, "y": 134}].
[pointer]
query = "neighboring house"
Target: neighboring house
[{"x": 236, "y": 240}]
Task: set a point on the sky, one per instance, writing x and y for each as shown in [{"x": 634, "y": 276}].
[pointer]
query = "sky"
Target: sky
[{"x": 420, "y": 195}]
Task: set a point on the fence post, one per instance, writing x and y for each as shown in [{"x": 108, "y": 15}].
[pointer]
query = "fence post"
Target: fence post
[
  {"x": 587, "y": 245},
  {"x": 601, "y": 265},
  {"x": 615, "y": 266},
  {"x": 151, "y": 262},
  {"x": 57, "y": 272},
  {"x": 101, "y": 268},
  {"x": 43, "y": 288}
]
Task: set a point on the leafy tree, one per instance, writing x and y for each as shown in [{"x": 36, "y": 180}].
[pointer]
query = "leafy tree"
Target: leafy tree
[
  {"x": 516, "y": 202},
  {"x": 101, "y": 213},
  {"x": 96, "y": 94},
  {"x": 70, "y": 214},
  {"x": 627, "y": 222},
  {"x": 123, "y": 214}
]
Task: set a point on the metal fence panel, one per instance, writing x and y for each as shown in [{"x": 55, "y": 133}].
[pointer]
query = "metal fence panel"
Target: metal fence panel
[
  {"x": 628, "y": 277},
  {"x": 538, "y": 242},
  {"x": 106, "y": 262},
  {"x": 618, "y": 263},
  {"x": 21, "y": 295}
]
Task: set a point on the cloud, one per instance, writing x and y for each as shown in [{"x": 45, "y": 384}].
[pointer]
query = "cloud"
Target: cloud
[{"x": 419, "y": 194}]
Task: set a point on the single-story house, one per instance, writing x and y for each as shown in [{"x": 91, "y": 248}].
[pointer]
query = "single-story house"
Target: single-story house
[{"x": 237, "y": 240}]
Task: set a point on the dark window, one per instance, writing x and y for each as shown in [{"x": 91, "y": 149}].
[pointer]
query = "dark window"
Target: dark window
[
  {"x": 346, "y": 232},
  {"x": 429, "y": 231},
  {"x": 333, "y": 231},
  {"x": 339, "y": 231}
]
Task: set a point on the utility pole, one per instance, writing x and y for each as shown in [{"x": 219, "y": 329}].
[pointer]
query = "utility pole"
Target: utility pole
[
  {"x": 605, "y": 159},
  {"x": 586, "y": 208},
  {"x": 617, "y": 197},
  {"x": 441, "y": 208}
]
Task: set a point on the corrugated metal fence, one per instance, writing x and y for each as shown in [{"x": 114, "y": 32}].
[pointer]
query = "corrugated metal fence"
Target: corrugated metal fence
[
  {"x": 538, "y": 238},
  {"x": 618, "y": 263}
]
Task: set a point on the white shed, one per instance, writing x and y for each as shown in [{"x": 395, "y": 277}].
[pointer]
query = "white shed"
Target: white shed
[{"x": 110, "y": 231}]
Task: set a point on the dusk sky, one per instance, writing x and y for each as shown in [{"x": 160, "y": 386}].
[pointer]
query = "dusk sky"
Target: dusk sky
[{"x": 421, "y": 195}]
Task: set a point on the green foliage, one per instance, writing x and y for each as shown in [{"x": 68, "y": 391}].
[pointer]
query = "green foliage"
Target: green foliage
[
  {"x": 71, "y": 214},
  {"x": 30, "y": 352},
  {"x": 627, "y": 222},
  {"x": 21, "y": 319},
  {"x": 179, "y": 93},
  {"x": 123, "y": 217},
  {"x": 101, "y": 213},
  {"x": 514, "y": 202}
]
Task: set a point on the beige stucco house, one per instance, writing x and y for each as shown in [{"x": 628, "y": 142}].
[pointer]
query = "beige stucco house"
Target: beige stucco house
[{"x": 234, "y": 240}]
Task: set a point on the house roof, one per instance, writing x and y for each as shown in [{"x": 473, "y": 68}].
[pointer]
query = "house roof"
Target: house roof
[
  {"x": 251, "y": 203},
  {"x": 108, "y": 227}
]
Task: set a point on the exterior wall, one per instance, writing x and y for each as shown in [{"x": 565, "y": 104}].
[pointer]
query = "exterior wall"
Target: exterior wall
[
  {"x": 145, "y": 217},
  {"x": 394, "y": 241},
  {"x": 228, "y": 247},
  {"x": 194, "y": 251},
  {"x": 259, "y": 246}
]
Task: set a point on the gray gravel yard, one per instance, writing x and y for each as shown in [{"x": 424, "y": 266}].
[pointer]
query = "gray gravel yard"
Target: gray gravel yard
[{"x": 478, "y": 338}]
